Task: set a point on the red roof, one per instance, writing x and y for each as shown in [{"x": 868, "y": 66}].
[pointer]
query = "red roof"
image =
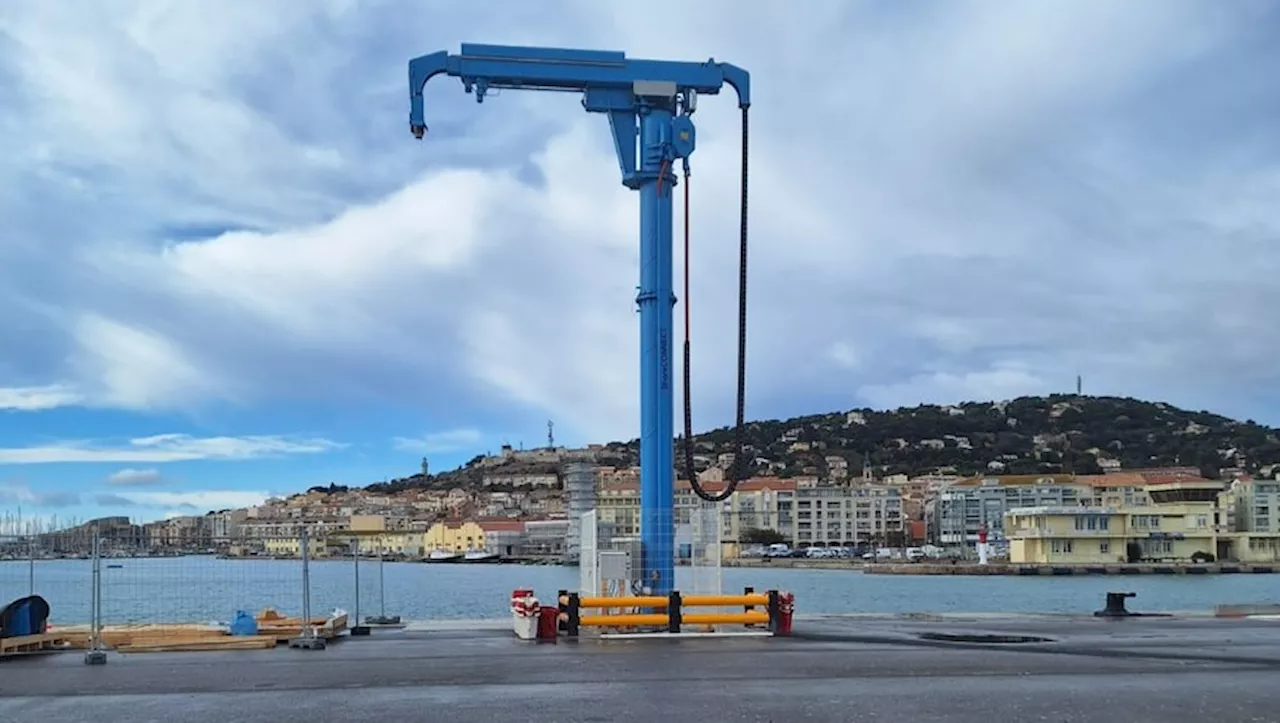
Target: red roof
[
  {"x": 1160, "y": 477},
  {"x": 1115, "y": 479}
]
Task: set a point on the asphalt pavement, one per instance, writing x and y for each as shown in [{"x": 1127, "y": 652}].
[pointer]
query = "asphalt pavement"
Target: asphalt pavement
[{"x": 834, "y": 669}]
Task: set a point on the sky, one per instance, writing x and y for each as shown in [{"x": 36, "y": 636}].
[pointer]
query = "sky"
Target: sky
[{"x": 227, "y": 270}]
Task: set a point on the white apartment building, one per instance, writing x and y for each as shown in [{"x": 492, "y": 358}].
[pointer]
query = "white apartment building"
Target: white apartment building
[
  {"x": 829, "y": 516},
  {"x": 1257, "y": 505}
]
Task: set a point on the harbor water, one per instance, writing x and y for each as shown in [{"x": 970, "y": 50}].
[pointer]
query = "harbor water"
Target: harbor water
[{"x": 200, "y": 589}]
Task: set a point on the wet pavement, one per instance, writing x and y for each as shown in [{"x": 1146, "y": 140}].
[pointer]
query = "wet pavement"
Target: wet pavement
[{"x": 834, "y": 669}]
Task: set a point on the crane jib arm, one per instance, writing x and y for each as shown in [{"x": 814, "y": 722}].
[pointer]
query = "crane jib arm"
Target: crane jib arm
[{"x": 609, "y": 81}]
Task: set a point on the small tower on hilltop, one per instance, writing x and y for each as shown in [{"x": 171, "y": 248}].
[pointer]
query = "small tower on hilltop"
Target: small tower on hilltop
[
  {"x": 551, "y": 434},
  {"x": 426, "y": 468}
]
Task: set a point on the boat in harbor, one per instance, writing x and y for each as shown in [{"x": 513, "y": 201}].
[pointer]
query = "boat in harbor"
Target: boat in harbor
[
  {"x": 443, "y": 556},
  {"x": 481, "y": 556}
]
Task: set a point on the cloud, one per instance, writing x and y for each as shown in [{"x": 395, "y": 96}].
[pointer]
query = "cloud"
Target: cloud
[
  {"x": 134, "y": 477},
  {"x": 175, "y": 504},
  {"x": 168, "y": 448},
  {"x": 1004, "y": 381},
  {"x": 28, "y": 399},
  {"x": 138, "y": 368},
  {"x": 20, "y": 494},
  {"x": 112, "y": 500},
  {"x": 980, "y": 199},
  {"x": 449, "y": 441},
  {"x": 203, "y": 500}
]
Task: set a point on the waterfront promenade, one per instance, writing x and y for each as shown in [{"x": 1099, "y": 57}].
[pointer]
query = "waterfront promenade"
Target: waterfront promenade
[{"x": 836, "y": 669}]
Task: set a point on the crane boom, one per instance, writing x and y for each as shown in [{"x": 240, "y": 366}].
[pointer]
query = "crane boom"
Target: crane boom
[
  {"x": 649, "y": 104},
  {"x": 588, "y": 71}
]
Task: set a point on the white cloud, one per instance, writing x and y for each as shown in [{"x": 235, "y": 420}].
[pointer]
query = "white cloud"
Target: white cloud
[
  {"x": 107, "y": 499},
  {"x": 202, "y": 500},
  {"x": 978, "y": 200},
  {"x": 129, "y": 477},
  {"x": 22, "y": 494},
  {"x": 134, "y": 368},
  {"x": 844, "y": 355},
  {"x": 49, "y": 396},
  {"x": 1005, "y": 381},
  {"x": 168, "y": 448},
  {"x": 452, "y": 440}
]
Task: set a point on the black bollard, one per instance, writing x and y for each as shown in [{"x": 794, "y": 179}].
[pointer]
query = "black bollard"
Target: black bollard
[{"x": 1115, "y": 606}]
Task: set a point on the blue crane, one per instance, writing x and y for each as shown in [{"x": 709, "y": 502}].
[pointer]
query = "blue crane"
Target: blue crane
[{"x": 652, "y": 102}]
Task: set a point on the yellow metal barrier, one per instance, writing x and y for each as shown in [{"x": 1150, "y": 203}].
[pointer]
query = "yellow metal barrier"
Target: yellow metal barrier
[
  {"x": 623, "y": 621},
  {"x": 755, "y": 617},
  {"x": 661, "y": 619},
  {"x": 725, "y": 600},
  {"x": 771, "y": 609},
  {"x": 660, "y": 603},
  {"x": 634, "y": 601}
]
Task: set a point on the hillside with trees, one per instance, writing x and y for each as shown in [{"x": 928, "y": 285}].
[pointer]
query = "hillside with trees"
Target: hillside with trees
[{"x": 1060, "y": 433}]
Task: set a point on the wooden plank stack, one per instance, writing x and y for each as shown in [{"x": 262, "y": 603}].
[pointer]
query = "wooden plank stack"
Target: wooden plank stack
[
  {"x": 285, "y": 629},
  {"x": 32, "y": 643},
  {"x": 273, "y": 628}
]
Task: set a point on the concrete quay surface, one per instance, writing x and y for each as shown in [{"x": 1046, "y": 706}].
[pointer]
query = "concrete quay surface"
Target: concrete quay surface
[{"x": 957, "y": 669}]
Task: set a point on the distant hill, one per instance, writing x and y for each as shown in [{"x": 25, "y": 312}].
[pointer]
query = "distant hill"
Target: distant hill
[{"x": 1060, "y": 433}]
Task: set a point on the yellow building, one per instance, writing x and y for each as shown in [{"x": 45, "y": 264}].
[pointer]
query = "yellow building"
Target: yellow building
[
  {"x": 1180, "y": 525},
  {"x": 292, "y": 547},
  {"x": 1117, "y": 489},
  {"x": 365, "y": 524},
  {"x": 410, "y": 543},
  {"x": 455, "y": 536},
  {"x": 379, "y": 535},
  {"x": 1255, "y": 547}
]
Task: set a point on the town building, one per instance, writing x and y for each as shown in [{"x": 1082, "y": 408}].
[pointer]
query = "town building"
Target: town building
[
  {"x": 1182, "y": 523},
  {"x": 455, "y": 536},
  {"x": 503, "y": 537},
  {"x": 1257, "y": 505},
  {"x": 829, "y": 516},
  {"x": 760, "y": 503},
  {"x": 960, "y": 511}
]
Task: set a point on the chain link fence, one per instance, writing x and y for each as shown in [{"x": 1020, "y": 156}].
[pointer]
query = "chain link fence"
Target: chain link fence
[
  {"x": 57, "y": 567},
  {"x": 127, "y": 586},
  {"x": 117, "y": 589}
]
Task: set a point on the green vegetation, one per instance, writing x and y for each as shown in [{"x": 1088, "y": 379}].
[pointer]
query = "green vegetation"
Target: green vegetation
[
  {"x": 1060, "y": 433},
  {"x": 763, "y": 537}
]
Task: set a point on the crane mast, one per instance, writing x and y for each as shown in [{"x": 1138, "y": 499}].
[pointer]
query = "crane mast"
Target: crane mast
[{"x": 649, "y": 104}]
